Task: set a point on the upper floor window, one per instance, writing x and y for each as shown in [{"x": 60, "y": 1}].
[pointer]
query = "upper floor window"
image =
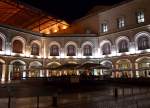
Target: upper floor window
[
  {"x": 140, "y": 17},
  {"x": 104, "y": 27},
  {"x": 87, "y": 50},
  {"x": 35, "y": 49},
  {"x": 121, "y": 22},
  {"x": 106, "y": 49},
  {"x": 17, "y": 46},
  {"x": 54, "y": 50},
  {"x": 1, "y": 44},
  {"x": 143, "y": 43},
  {"x": 71, "y": 50},
  {"x": 123, "y": 46}
]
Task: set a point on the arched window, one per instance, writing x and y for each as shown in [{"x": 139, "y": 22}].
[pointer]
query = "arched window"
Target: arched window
[
  {"x": 143, "y": 43},
  {"x": 87, "y": 50},
  {"x": 123, "y": 46},
  {"x": 71, "y": 50},
  {"x": 35, "y": 49},
  {"x": 106, "y": 49},
  {"x": 54, "y": 50},
  {"x": 17, "y": 46},
  {"x": 1, "y": 44}
]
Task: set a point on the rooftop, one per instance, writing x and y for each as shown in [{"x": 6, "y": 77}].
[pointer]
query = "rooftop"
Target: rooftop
[{"x": 23, "y": 16}]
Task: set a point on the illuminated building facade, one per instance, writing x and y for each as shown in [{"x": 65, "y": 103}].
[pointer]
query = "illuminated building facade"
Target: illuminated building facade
[{"x": 118, "y": 37}]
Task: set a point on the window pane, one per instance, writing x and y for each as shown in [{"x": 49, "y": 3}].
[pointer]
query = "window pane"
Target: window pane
[
  {"x": 35, "y": 49},
  {"x": 140, "y": 17},
  {"x": 104, "y": 27},
  {"x": 121, "y": 22},
  {"x": 54, "y": 51},
  {"x": 106, "y": 49},
  {"x": 143, "y": 43},
  {"x": 87, "y": 50},
  {"x": 17, "y": 46},
  {"x": 123, "y": 46},
  {"x": 71, "y": 50}
]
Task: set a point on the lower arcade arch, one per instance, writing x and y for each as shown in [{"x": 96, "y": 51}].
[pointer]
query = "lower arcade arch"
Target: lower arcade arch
[
  {"x": 2, "y": 70},
  {"x": 52, "y": 70},
  {"x": 107, "y": 68},
  {"x": 142, "y": 66},
  {"x": 17, "y": 70},
  {"x": 35, "y": 69},
  {"x": 123, "y": 69}
]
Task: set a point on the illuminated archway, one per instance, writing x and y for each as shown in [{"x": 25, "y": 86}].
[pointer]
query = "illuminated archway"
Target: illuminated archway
[
  {"x": 17, "y": 70},
  {"x": 143, "y": 67},
  {"x": 51, "y": 69},
  {"x": 35, "y": 69},
  {"x": 124, "y": 68}
]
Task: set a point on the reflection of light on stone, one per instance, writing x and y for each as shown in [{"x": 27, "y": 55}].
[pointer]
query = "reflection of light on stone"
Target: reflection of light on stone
[
  {"x": 78, "y": 72},
  {"x": 47, "y": 31},
  {"x": 79, "y": 55},
  {"x": 55, "y": 30},
  {"x": 31, "y": 55},
  {"x": 66, "y": 56},
  {"x": 41, "y": 73},
  {"x": 13, "y": 54},
  {"x": 118, "y": 54},
  {"x": 21, "y": 55},
  {"x": 148, "y": 27},
  {"x": 3, "y": 73},
  {"x": 27, "y": 54},
  {"x": 148, "y": 50},
  {"x": 57, "y": 57},
  {"x": 3, "y": 79},
  {"x": 64, "y": 27},
  {"x": 62, "y": 55},
  {"x": 132, "y": 50},
  {"x": 38, "y": 56},
  {"x": 95, "y": 72},
  {"x": 138, "y": 51},
  {"x": 1, "y": 52},
  {"x": 97, "y": 55},
  {"x": 47, "y": 73},
  {"x": 7, "y": 52},
  {"x": 113, "y": 53},
  {"x": 24, "y": 75},
  {"x": 50, "y": 57}
]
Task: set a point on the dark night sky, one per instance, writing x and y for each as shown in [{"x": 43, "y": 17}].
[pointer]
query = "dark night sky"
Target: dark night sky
[{"x": 69, "y": 10}]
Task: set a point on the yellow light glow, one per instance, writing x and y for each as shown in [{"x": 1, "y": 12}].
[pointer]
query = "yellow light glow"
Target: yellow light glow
[
  {"x": 64, "y": 27},
  {"x": 55, "y": 30},
  {"x": 47, "y": 31}
]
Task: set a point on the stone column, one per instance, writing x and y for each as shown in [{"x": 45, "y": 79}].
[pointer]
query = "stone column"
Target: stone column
[
  {"x": 136, "y": 67},
  {"x": 133, "y": 70},
  {"x": 6, "y": 72},
  {"x": 79, "y": 53},
  {"x": 43, "y": 48},
  {"x": 3, "y": 72}
]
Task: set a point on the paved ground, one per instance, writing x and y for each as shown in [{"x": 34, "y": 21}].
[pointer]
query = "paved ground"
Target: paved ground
[{"x": 100, "y": 95}]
